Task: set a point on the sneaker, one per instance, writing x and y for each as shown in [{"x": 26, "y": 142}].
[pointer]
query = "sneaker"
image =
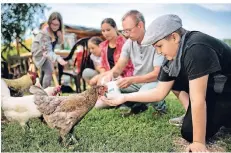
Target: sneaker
[
  {"x": 178, "y": 121},
  {"x": 160, "y": 107},
  {"x": 135, "y": 110},
  {"x": 124, "y": 107}
]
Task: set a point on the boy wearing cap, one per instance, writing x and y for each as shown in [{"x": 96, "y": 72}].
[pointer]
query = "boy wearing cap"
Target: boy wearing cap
[
  {"x": 146, "y": 63},
  {"x": 197, "y": 64}
]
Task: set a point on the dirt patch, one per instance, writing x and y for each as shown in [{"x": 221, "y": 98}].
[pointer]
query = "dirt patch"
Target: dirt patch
[
  {"x": 182, "y": 144},
  {"x": 216, "y": 144}
]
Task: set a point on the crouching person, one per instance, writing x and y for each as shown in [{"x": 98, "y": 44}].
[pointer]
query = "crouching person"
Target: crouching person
[
  {"x": 91, "y": 75},
  {"x": 197, "y": 64}
]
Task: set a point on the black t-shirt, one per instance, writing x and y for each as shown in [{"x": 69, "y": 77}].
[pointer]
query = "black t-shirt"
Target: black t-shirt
[
  {"x": 110, "y": 53},
  {"x": 203, "y": 55}
]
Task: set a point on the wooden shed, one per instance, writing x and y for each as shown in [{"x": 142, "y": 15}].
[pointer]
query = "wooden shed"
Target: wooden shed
[{"x": 82, "y": 31}]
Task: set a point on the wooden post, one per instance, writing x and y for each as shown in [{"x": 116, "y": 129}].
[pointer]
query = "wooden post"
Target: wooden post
[{"x": 17, "y": 45}]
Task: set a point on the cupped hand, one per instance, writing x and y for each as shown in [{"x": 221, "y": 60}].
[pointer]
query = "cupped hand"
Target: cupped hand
[
  {"x": 196, "y": 147},
  {"x": 113, "y": 99}
]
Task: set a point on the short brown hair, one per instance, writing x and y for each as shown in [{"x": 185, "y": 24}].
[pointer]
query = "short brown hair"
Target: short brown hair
[
  {"x": 180, "y": 31},
  {"x": 136, "y": 16}
]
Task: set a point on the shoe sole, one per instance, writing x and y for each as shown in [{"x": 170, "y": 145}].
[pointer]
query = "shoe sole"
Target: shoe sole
[{"x": 179, "y": 125}]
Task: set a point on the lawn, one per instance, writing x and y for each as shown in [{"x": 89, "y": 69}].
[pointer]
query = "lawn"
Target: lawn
[{"x": 104, "y": 131}]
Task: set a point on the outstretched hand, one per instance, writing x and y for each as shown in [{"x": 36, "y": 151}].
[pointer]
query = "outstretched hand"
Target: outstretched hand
[
  {"x": 62, "y": 61},
  {"x": 114, "y": 99}
]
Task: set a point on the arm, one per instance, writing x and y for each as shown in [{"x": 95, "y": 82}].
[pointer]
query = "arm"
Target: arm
[
  {"x": 127, "y": 81},
  {"x": 197, "y": 95},
  {"x": 198, "y": 69},
  {"x": 149, "y": 77},
  {"x": 117, "y": 69},
  {"x": 47, "y": 50},
  {"x": 120, "y": 65},
  {"x": 156, "y": 94}
]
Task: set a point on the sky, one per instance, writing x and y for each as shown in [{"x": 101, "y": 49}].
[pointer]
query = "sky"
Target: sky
[{"x": 213, "y": 19}]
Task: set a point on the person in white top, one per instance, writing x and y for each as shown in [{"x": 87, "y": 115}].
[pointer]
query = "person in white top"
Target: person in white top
[{"x": 91, "y": 75}]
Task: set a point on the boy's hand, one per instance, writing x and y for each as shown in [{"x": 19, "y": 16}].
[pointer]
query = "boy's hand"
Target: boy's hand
[{"x": 196, "y": 147}]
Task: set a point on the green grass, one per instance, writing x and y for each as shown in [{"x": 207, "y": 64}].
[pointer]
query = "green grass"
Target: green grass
[{"x": 101, "y": 131}]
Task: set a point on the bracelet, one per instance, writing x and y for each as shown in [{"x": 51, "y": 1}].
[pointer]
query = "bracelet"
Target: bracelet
[{"x": 198, "y": 142}]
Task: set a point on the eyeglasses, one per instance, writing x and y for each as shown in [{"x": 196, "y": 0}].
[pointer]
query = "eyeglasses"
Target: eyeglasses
[
  {"x": 128, "y": 31},
  {"x": 56, "y": 25}
]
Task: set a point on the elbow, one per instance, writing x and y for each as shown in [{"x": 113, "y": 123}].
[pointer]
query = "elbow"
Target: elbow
[{"x": 160, "y": 96}]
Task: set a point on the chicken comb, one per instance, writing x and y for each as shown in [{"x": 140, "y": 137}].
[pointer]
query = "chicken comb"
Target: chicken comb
[{"x": 33, "y": 76}]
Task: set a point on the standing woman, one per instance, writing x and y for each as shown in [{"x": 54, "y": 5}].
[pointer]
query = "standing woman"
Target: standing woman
[{"x": 43, "y": 47}]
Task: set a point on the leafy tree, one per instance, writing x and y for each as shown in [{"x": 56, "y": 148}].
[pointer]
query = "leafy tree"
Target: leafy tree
[{"x": 16, "y": 19}]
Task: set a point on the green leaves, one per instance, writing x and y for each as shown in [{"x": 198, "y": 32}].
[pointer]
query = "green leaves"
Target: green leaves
[{"x": 17, "y": 18}]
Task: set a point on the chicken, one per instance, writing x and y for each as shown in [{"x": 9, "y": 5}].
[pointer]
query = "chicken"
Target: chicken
[
  {"x": 21, "y": 109},
  {"x": 22, "y": 84},
  {"x": 64, "y": 112}
]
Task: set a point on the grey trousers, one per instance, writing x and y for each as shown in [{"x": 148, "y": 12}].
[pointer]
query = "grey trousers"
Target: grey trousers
[
  {"x": 46, "y": 73},
  {"x": 88, "y": 74}
]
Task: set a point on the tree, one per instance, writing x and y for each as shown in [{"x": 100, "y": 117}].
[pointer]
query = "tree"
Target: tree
[{"x": 16, "y": 19}]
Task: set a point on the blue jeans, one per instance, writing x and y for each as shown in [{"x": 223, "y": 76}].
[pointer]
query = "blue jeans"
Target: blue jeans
[{"x": 160, "y": 106}]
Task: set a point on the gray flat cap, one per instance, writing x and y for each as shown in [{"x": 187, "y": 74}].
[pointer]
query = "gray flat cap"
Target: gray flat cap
[{"x": 160, "y": 28}]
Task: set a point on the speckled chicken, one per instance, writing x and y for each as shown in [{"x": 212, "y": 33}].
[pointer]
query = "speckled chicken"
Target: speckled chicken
[{"x": 64, "y": 112}]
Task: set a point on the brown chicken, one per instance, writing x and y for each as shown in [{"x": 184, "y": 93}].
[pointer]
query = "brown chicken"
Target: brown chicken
[{"x": 64, "y": 112}]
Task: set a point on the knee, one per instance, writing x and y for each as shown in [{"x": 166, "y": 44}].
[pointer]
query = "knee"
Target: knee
[
  {"x": 85, "y": 73},
  {"x": 88, "y": 74}
]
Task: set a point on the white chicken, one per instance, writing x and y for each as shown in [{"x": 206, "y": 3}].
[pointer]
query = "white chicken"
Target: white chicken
[{"x": 21, "y": 109}]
